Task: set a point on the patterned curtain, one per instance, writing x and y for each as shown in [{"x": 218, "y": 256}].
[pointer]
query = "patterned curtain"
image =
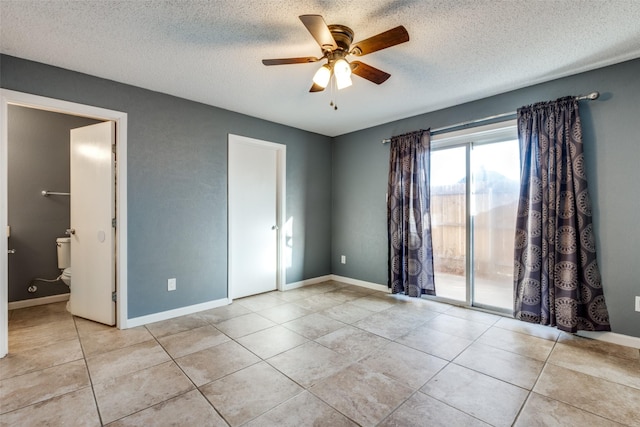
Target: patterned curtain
[
  {"x": 556, "y": 276},
  {"x": 408, "y": 218}
]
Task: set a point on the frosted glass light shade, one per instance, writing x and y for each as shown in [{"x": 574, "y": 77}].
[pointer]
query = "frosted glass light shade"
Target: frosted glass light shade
[
  {"x": 344, "y": 81},
  {"x": 342, "y": 71},
  {"x": 322, "y": 76},
  {"x": 341, "y": 68}
]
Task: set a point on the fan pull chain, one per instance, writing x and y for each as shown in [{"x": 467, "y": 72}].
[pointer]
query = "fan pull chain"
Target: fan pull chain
[{"x": 334, "y": 91}]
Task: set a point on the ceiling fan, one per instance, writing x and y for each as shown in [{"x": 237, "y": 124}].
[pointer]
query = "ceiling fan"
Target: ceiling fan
[{"x": 336, "y": 44}]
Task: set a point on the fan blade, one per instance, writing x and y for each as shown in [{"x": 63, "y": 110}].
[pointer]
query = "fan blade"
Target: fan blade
[
  {"x": 384, "y": 40},
  {"x": 319, "y": 30},
  {"x": 368, "y": 72},
  {"x": 285, "y": 61},
  {"x": 316, "y": 88}
]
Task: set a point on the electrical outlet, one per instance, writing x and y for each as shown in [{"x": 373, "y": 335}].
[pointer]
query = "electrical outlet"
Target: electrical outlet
[
  {"x": 637, "y": 303},
  {"x": 343, "y": 259},
  {"x": 171, "y": 284}
]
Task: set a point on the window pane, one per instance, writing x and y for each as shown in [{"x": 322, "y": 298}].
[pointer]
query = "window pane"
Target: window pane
[
  {"x": 495, "y": 190},
  {"x": 448, "y": 221}
]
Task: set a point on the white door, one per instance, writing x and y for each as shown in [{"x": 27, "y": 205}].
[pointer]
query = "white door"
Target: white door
[
  {"x": 92, "y": 209},
  {"x": 253, "y": 226}
]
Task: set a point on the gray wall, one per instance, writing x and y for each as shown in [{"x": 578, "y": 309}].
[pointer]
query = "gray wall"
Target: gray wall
[
  {"x": 612, "y": 151},
  {"x": 38, "y": 159},
  {"x": 177, "y": 185}
]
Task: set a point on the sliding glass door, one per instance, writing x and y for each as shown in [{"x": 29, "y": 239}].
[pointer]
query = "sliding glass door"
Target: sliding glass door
[
  {"x": 474, "y": 195},
  {"x": 449, "y": 221},
  {"x": 495, "y": 190}
]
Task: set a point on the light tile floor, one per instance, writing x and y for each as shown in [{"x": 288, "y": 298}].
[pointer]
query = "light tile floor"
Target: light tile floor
[{"x": 324, "y": 355}]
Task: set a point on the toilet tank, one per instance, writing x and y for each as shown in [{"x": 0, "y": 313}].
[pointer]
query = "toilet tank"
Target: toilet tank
[{"x": 64, "y": 252}]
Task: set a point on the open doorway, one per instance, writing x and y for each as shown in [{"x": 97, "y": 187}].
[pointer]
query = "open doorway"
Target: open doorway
[
  {"x": 38, "y": 204},
  {"x": 11, "y": 98}
]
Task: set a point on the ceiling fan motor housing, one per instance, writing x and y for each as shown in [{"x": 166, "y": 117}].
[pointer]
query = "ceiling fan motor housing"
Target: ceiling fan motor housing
[{"x": 343, "y": 36}]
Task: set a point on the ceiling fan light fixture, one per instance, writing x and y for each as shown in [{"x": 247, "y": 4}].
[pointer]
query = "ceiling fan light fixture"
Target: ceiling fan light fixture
[
  {"x": 322, "y": 76},
  {"x": 344, "y": 81},
  {"x": 335, "y": 41},
  {"x": 341, "y": 68},
  {"x": 342, "y": 71}
]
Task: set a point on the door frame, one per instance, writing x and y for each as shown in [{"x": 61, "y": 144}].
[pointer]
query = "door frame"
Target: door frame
[
  {"x": 281, "y": 173},
  {"x": 10, "y": 97}
]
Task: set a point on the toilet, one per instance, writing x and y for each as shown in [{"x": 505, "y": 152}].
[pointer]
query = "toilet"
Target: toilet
[{"x": 64, "y": 259}]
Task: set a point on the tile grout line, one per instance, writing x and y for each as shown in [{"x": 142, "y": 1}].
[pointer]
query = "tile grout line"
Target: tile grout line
[
  {"x": 450, "y": 362},
  {"x": 187, "y": 376},
  {"x": 303, "y": 388},
  {"x": 83, "y": 358},
  {"x": 389, "y": 341},
  {"x": 483, "y": 373},
  {"x": 547, "y": 362},
  {"x": 86, "y": 365}
]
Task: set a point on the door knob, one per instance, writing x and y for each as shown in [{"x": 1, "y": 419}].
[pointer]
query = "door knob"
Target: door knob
[
  {"x": 11, "y": 251},
  {"x": 275, "y": 227},
  {"x": 70, "y": 231}
]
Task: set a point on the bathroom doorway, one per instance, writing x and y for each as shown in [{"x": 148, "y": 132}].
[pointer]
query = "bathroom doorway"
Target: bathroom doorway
[
  {"x": 119, "y": 122},
  {"x": 38, "y": 156}
]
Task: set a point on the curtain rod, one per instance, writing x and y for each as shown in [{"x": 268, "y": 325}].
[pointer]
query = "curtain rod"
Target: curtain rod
[{"x": 590, "y": 97}]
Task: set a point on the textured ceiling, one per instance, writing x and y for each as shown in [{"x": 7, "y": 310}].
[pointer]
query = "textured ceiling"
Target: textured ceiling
[{"x": 210, "y": 51}]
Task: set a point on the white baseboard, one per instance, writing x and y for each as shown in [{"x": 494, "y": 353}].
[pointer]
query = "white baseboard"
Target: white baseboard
[
  {"x": 170, "y": 314},
  {"x": 306, "y": 282},
  {"x": 38, "y": 301},
  {"x": 612, "y": 337},
  {"x": 356, "y": 282}
]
